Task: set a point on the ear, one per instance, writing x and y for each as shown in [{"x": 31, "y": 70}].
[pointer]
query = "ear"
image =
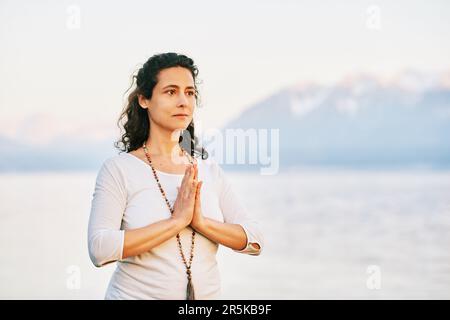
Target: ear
[{"x": 143, "y": 102}]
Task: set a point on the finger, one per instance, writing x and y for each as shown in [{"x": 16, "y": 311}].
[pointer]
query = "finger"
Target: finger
[
  {"x": 182, "y": 187},
  {"x": 199, "y": 186},
  {"x": 186, "y": 177},
  {"x": 185, "y": 185},
  {"x": 193, "y": 189},
  {"x": 194, "y": 175},
  {"x": 195, "y": 172},
  {"x": 187, "y": 191},
  {"x": 186, "y": 172},
  {"x": 191, "y": 173},
  {"x": 194, "y": 178}
]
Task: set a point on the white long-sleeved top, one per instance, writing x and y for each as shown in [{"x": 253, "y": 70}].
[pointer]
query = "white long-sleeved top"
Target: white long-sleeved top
[{"x": 127, "y": 197}]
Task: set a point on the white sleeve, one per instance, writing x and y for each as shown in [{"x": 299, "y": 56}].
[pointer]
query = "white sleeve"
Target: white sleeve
[
  {"x": 105, "y": 239},
  {"x": 235, "y": 212}
]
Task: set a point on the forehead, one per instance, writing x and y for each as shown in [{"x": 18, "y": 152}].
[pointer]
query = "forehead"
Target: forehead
[{"x": 175, "y": 75}]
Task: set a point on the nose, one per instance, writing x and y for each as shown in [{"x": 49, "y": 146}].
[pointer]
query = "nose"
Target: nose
[{"x": 182, "y": 100}]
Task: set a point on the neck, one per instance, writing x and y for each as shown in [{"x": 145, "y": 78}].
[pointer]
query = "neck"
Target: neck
[{"x": 163, "y": 142}]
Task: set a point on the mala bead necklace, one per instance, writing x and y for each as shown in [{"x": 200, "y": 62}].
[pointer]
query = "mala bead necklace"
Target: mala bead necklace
[{"x": 190, "y": 295}]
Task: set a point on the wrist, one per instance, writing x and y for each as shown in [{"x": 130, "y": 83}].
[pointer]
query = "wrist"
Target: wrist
[
  {"x": 180, "y": 223},
  {"x": 199, "y": 224}
]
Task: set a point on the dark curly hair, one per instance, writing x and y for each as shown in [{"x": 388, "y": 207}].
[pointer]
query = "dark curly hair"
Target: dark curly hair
[{"x": 137, "y": 125}]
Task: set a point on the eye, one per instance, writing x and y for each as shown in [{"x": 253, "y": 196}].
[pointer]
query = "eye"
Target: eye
[
  {"x": 170, "y": 92},
  {"x": 192, "y": 93}
]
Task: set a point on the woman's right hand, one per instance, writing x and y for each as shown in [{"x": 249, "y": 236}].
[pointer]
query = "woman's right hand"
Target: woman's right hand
[{"x": 183, "y": 208}]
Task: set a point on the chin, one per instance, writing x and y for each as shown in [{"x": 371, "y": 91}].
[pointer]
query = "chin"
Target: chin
[
  {"x": 183, "y": 124},
  {"x": 180, "y": 124},
  {"x": 178, "y": 128}
]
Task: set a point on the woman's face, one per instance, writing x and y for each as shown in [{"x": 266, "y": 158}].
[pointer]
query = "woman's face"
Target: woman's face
[{"x": 173, "y": 94}]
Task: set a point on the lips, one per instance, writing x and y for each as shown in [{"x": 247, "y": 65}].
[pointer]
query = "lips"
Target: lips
[{"x": 180, "y": 115}]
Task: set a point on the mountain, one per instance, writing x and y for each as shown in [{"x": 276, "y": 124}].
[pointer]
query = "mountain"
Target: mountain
[{"x": 360, "y": 122}]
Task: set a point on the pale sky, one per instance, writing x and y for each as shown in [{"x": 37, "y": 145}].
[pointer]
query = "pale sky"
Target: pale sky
[{"x": 51, "y": 69}]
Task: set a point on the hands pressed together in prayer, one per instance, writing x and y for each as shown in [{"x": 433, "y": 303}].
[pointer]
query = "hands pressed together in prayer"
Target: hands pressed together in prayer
[{"x": 187, "y": 207}]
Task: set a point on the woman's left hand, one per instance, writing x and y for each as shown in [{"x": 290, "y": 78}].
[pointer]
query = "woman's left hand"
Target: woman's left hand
[{"x": 197, "y": 218}]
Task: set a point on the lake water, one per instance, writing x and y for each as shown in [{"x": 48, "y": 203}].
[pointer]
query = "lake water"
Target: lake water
[{"x": 328, "y": 234}]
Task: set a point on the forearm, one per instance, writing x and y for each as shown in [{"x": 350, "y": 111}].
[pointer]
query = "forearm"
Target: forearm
[
  {"x": 143, "y": 239},
  {"x": 230, "y": 235}
]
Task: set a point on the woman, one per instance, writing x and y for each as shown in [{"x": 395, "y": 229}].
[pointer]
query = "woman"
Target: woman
[{"x": 158, "y": 209}]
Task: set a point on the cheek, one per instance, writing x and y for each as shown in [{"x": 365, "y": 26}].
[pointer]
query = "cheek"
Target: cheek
[{"x": 161, "y": 109}]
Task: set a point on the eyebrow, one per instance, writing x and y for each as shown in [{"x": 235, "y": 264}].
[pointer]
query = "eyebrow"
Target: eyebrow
[{"x": 175, "y": 86}]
